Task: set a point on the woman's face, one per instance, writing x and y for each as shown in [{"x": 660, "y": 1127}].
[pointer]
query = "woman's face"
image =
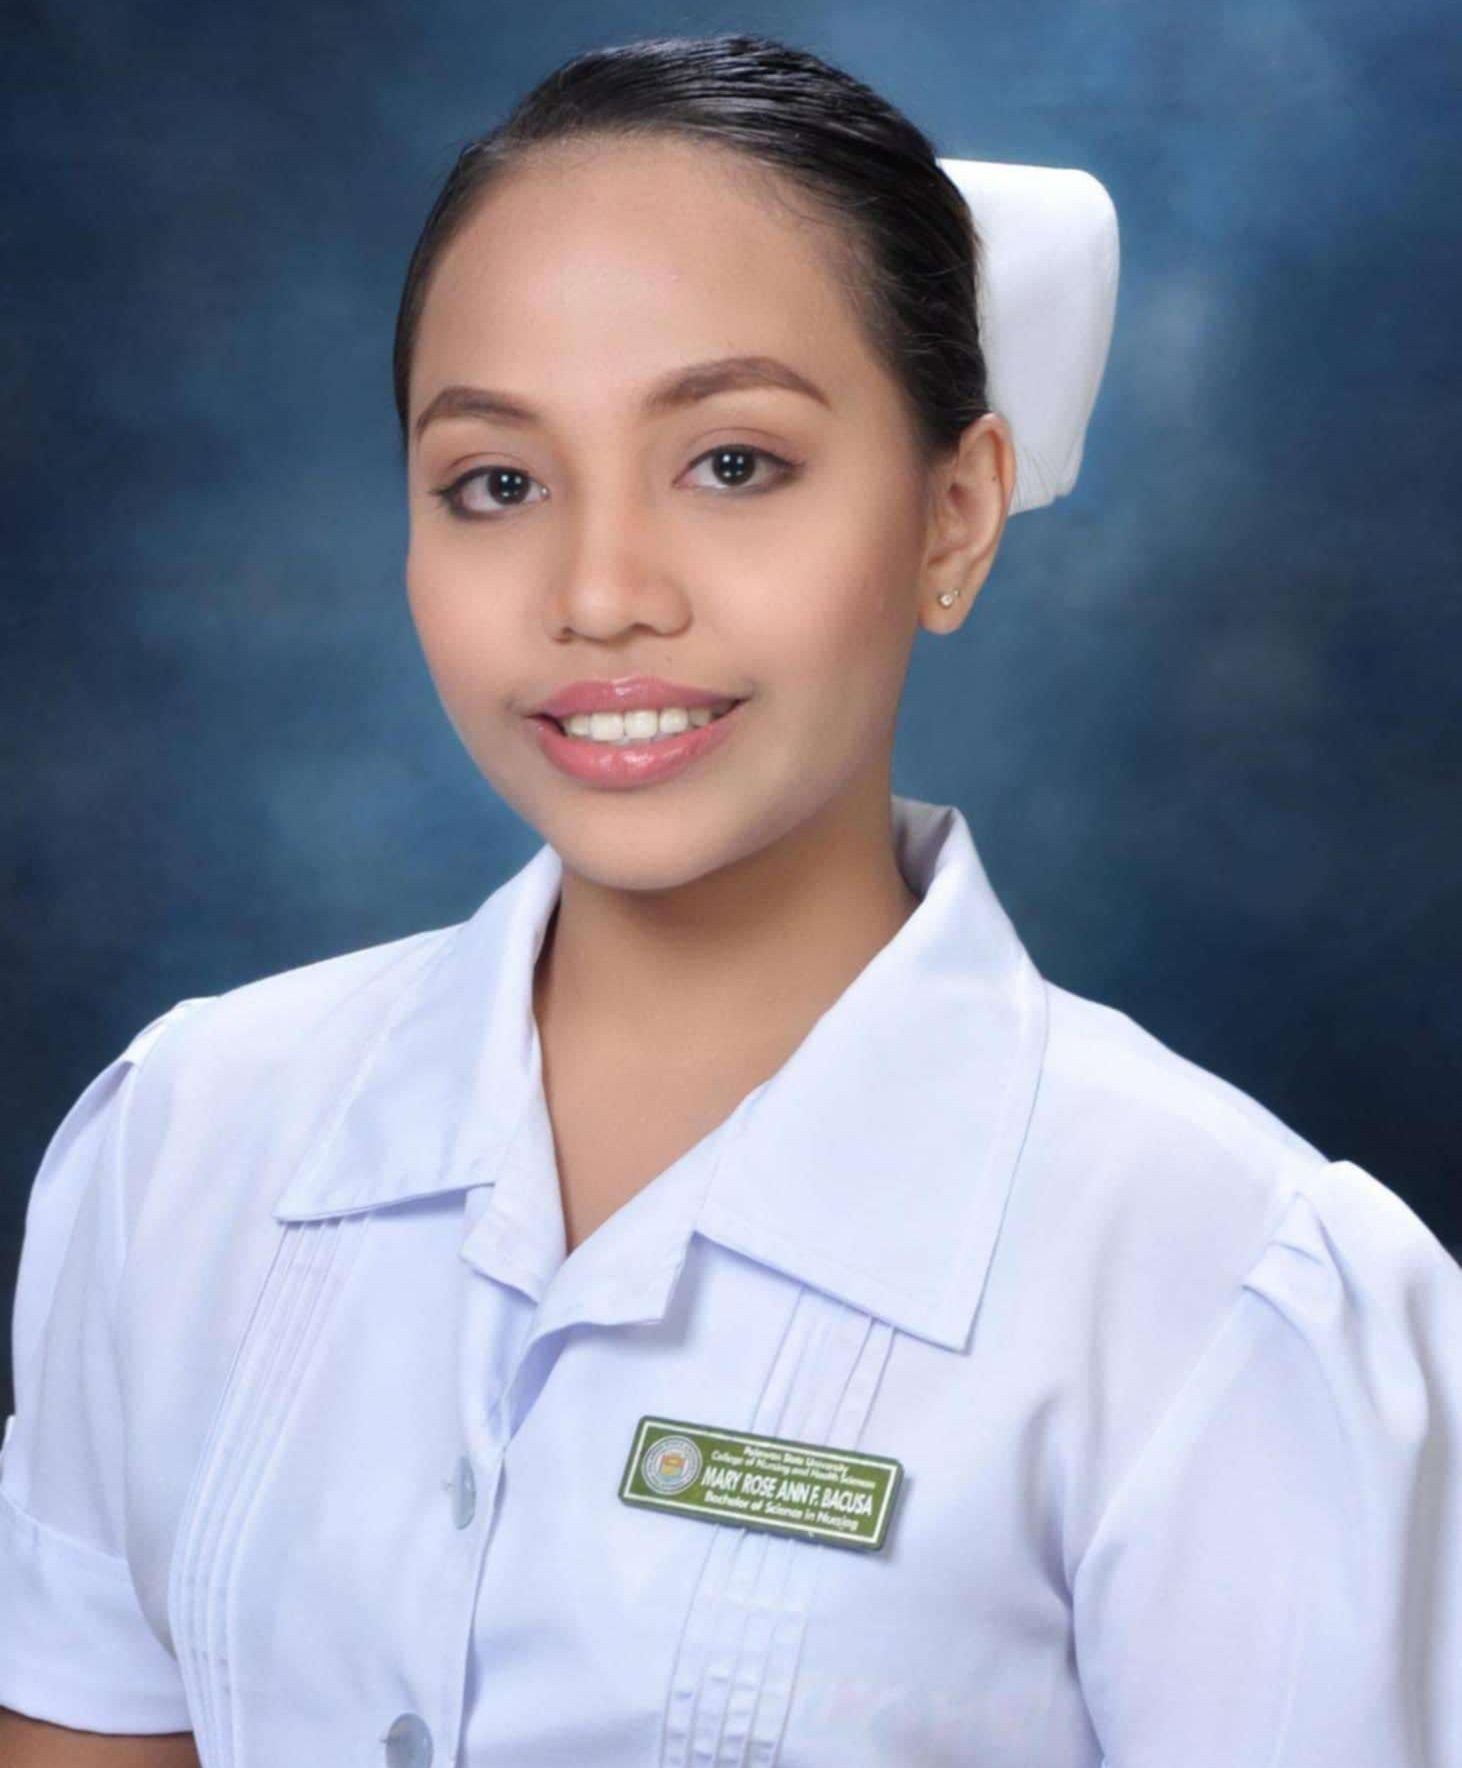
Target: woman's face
[{"x": 615, "y": 537}]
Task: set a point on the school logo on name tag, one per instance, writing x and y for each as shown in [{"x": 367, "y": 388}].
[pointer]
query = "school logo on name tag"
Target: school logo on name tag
[{"x": 761, "y": 1482}]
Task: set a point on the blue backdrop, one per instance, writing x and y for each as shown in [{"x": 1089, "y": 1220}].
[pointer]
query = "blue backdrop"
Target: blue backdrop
[{"x": 1203, "y": 721}]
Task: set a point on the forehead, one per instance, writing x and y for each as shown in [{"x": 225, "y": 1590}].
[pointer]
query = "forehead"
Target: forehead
[{"x": 596, "y": 264}]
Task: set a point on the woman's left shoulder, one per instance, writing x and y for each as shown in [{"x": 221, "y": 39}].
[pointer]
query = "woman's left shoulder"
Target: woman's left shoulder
[
  {"x": 1107, "y": 1072},
  {"x": 1192, "y": 1188},
  {"x": 1358, "y": 1273}
]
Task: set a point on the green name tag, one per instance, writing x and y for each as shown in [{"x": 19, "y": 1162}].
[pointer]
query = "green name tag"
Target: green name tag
[{"x": 761, "y": 1482}]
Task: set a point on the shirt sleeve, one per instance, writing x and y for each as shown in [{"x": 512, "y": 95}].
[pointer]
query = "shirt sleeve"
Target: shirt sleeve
[
  {"x": 75, "y": 1647},
  {"x": 1277, "y": 1580}
]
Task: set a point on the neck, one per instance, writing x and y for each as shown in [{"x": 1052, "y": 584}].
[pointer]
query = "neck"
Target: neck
[{"x": 734, "y": 967}]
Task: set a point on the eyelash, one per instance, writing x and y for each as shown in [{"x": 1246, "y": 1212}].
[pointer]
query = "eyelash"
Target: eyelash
[{"x": 450, "y": 495}]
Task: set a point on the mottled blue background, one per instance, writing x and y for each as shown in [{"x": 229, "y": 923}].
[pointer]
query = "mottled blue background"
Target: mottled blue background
[{"x": 1203, "y": 721}]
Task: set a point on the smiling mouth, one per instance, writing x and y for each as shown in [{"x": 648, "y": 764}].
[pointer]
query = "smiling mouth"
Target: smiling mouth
[{"x": 616, "y": 729}]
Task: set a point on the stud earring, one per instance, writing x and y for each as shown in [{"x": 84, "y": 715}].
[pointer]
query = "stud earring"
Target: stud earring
[{"x": 946, "y": 600}]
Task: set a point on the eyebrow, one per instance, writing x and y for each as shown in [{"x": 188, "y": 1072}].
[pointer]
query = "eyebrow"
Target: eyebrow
[{"x": 685, "y": 386}]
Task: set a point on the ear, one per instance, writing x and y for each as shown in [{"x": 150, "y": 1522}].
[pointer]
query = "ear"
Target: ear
[{"x": 968, "y": 505}]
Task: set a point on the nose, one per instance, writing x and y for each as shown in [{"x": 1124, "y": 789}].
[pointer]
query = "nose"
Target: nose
[{"x": 616, "y": 571}]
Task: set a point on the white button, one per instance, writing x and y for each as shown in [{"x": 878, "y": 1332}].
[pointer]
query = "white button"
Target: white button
[
  {"x": 464, "y": 1494},
  {"x": 408, "y": 1743}
]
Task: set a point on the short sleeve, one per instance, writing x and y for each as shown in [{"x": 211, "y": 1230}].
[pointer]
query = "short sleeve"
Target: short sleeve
[
  {"x": 75, "y": 1647},
  {"x": 1277, "y": 1580}
]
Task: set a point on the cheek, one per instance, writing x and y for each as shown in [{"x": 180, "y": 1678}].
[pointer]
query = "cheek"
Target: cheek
[
  {"x": 841, "y": 632},
  {"x": 459, "y": 641},
  {"x": 459, "y": 624},
  {"x": 845, "y": 610}
]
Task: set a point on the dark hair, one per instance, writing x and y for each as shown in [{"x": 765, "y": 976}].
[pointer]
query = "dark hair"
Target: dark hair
[{"x": 908, "y": 249}]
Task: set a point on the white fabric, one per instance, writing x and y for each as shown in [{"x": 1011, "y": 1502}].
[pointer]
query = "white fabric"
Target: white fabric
[
  {"x": 1047, "y": 303},
  {"x": 1178, "y": 1400}
]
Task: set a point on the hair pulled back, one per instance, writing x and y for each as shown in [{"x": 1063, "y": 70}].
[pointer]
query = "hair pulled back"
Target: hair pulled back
[{"x": 907, "y": 245}]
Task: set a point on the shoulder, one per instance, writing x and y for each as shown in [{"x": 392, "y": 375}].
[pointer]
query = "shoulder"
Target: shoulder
[
  {"x": 306, "y": 1019},
  {"x": 233, "y": 1083},
  {"x": 1159, "y": 1209},
  {"x": 1146, "y": 1190},
  {"x": 1103, "y": 1062},
  {"x": 209, "y": 1071},
  {"x": 1126, "y": 1125}
]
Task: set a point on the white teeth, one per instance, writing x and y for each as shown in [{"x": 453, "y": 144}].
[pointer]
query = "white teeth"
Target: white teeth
[{"x": 644, "y": 725}]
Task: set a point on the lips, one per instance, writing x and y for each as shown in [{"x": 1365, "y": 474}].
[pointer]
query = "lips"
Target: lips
[
  {"x": 621, "y": 766},
  {"x": 632, "y": 693}
]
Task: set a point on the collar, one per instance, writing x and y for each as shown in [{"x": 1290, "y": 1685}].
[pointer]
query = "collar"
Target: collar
[{"x": 875, "y": 1163}]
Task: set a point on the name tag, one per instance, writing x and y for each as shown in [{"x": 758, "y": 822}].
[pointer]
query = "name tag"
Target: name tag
[{"x": 761, "y": 1482}]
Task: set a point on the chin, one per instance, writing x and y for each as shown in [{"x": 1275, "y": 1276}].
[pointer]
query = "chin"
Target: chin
[
  {"x": 631, "y": 860},
  {"x": 648, "y": 840}
]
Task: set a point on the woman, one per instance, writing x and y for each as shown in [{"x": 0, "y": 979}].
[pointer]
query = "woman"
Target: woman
[{"x": 866, "y": 1351}]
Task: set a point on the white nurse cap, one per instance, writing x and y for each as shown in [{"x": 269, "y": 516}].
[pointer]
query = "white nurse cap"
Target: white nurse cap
[{"x": 1048, "y": 296}]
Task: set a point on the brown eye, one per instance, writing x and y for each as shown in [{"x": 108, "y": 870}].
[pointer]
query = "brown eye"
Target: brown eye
[
  {"x": 510, "y": 484},
  {"x": 734, "y": 464}
]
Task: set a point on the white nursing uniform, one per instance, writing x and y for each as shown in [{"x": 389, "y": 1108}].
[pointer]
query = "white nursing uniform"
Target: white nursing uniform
[{"x": 319, "y": 1436}]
